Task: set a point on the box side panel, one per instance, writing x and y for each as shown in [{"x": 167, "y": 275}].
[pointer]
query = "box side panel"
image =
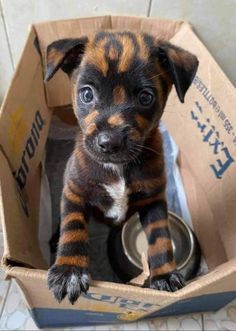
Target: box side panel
[
  {"x": 159, "y": 28},
  {"x": 203, "y": 303},
  {"x": 206, "y": 136},
  {"x": 24, "y": 117},
  {"x": 19, "y": 232},
  {"x": 24, "y": 123},
  {"x": 114, "y": 303},
  {"x": 104, "y": 303}
]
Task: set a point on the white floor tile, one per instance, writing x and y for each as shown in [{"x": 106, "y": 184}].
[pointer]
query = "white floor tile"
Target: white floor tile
[
  {"x": 6, "y": 69},
  {"x": 184, "y": 322},
  {"x": 15, "y": 315},
  {"x": 20, "y": 13},
  {"x": 4, "y": 286},
  {"x": 224, "y": 319}
]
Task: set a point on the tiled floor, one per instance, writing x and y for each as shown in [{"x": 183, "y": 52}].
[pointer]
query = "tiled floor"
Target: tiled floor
[{"x": 16, "y": 15}]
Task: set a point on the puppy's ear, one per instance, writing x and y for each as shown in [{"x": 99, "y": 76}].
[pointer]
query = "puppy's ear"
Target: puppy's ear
[
  {"x": 181, "y": 65},
  {"x": 65, "y": 54}
]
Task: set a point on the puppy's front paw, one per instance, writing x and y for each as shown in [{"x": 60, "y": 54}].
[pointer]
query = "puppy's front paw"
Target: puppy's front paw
[
  {"x": 170, "y": 282},
  {"x": 67, "y": 280}
]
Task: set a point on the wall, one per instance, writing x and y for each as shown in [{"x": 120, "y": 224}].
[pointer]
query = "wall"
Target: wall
[{"x": 213, "y": 20}]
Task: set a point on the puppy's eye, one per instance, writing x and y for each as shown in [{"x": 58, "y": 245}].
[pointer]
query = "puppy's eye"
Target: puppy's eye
[
  {"x": 86, "y": 94},
  {"x": 146, "y": 97}
]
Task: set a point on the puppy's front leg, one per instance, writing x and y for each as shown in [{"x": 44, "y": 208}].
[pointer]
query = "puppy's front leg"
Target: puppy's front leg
[
  {"x": 163, "y": 273},
  {"x": 69, "y": 274}
]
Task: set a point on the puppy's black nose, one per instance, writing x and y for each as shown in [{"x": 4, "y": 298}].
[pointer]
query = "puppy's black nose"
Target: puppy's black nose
[{"x": 109, "y": 143}]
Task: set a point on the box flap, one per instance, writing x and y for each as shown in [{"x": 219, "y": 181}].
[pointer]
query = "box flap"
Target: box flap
[
  {"x": 24, "y": 115},
  {"x": 18, "y": 223},
  {"x": 205, "y": 130}
]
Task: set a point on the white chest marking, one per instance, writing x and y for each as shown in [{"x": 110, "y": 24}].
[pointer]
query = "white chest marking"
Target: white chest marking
[{"x": 119, "y": 193}]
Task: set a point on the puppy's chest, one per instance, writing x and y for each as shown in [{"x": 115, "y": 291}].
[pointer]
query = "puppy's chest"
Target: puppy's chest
[{"x": 118, "y": 192}]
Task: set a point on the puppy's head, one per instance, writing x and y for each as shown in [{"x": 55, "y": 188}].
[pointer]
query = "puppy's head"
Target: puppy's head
[{"x": 120, "y": 84}]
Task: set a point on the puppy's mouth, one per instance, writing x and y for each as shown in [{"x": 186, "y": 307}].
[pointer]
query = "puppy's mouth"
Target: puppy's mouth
[{"x": 124, "y": 155}]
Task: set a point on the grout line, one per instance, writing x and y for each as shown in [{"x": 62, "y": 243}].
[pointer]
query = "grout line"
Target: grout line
[
  {"x": 7, "y": 35},
  {"x": 5, "y": 299},
  {"x": 202, "y": 318},
  {"x": 149, "y": 8}
]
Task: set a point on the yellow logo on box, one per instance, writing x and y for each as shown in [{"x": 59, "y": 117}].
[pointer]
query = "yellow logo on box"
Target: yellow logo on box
[
  {"x": 20, "y": 131},
  {"x": 17, "y": 130}
]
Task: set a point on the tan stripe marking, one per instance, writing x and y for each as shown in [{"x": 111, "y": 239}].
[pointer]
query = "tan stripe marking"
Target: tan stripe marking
[
  {"x": 76, "y": 216},
  {"x": 54, "y": 56},
  {"x": 164, "y": 269},
  {"x": 148, "y": 201},
  {"x": 135, "y": 134},
  {"x": 113, "y": 53},
  {"x": 73, "y": 236},
  {"x": 142, "y": 122},
  {"x": 115, "y": 120},
  {"x": 148, "y": 184},
  {"x": 81, "y": 261},
  {"x": 127, "y": 54},
  {"x": 74, "y": 186},
  {"x": 160, "y": 246},
  {"x": 143, "y": 50},
  {"x": 91, "y": 117},
  {"x": 156, "y": 80},
  {"x": 119, "y": 95},
  {"x": 95, "y": 55},
  {"x": 71, "y": 196},
  {"x": 80, "y": 156},
  {"x": 159, "y": 224},
  {"x": 91, "y": 129}
]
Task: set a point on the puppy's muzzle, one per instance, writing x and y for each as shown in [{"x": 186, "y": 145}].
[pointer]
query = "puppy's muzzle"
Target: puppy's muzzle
[{"x": 110, "y": 143}]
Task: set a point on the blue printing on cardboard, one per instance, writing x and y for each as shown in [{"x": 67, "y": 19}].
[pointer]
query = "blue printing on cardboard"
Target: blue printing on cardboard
[
  {"x": 49, "y": 317},
  {"x": 210, "y": 135}
]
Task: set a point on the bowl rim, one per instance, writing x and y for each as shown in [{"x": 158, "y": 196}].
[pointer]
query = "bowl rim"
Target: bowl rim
[{"x": 186, "y": 226}]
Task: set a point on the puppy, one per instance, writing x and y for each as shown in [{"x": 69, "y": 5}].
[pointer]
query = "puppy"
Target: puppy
[{"x": 120, "y": 82}]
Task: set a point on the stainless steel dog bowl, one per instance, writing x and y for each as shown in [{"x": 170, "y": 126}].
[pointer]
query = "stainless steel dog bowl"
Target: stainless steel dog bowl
[{"x": 130, "y": 242}]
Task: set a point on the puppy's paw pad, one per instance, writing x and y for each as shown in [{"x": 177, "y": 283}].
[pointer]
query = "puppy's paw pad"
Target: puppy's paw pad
[
  {"x": 170, "y": 282},
  {"x": 68, "y": 280}
]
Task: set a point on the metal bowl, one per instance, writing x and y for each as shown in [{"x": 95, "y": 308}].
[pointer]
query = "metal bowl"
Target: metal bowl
[{"x": 130, "y": 242}]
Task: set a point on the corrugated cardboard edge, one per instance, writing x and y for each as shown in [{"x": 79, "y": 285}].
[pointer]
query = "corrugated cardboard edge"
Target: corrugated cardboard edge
[{"x": 225, "y": 274}]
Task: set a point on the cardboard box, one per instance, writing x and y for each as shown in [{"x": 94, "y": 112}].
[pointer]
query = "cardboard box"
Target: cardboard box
[{"x": 204, "y": 128}]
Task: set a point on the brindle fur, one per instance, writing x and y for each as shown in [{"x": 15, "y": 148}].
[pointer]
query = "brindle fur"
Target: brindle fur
[{"x": 117, "y": 66}]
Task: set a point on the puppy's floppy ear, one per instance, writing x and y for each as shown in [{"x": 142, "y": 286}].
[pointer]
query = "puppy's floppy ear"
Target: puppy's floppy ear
[
  {"x": 65, "y": 54},
  {"x": 181, "y": 65}
]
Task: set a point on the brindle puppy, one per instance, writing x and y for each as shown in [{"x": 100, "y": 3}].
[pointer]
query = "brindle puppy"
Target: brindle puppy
[{"x": 120, "y": 83}]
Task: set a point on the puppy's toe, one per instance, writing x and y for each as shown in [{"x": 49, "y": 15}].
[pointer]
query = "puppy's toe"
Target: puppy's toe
[{"x": 68, "y": 280}]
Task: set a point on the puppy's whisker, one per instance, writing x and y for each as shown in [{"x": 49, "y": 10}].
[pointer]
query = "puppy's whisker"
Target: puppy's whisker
[
  {"x": 161, "y": 73},
  {"x": 149, "y": 149}
]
